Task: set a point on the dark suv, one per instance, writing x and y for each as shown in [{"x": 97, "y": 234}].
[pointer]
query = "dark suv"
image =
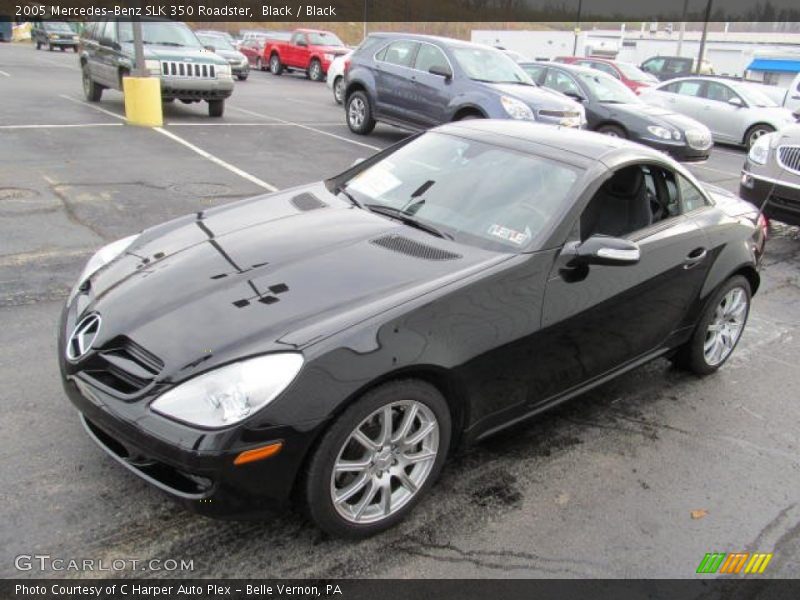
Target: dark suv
[
  {"x": 54, "y": 34},
  {"x": 419, "y": 81},
  {"x": 188, "y": 71},
  {"x": 670, "y": 67}
]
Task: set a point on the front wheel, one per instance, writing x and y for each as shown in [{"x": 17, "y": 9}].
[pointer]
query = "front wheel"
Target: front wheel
[
  {"x": 38, "y": 45},
  {"x": 75, "y": 49},
  {"x": 359, "y": 114},
  {"x": 91, "y": 91},
  {"x": 216, "y": 108},
  {"x": 755, "y": 132},
  {"x": 275, "y": 66},
  {"x": 612, "y": 131},
  {"x": 719, "y": 329},
  {"x": 378, "y": 459},
  {"x": 338, "y": 90},
  {"x": 242, "y": 77},
  {"x": 315, "y": 72}
]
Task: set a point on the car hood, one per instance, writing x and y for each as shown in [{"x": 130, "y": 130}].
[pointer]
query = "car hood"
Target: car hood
[
  {"x": 337, "y": 50},
  {"x": 537, "y": 96},
  {"x": 656, "y": 115},
  {"x": 274, "y": 272},
  {"x": 230, "y": 54},
  {"x": 184, "y": 54}
]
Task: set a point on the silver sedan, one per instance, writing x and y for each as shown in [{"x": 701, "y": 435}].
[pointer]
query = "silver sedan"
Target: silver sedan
[{"x": 736, "y": 112}]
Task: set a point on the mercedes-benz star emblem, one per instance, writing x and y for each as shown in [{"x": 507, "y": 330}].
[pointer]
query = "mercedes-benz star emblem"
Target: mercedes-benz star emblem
[{"x": 83, "y": 336}]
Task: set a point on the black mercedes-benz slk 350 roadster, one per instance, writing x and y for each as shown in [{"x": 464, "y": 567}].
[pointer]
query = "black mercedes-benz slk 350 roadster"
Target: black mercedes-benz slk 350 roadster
[{"x": 332, "y": 343}]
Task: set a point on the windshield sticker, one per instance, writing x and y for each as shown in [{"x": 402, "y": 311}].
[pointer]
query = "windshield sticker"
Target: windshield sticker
[
  {"x": 374, "y": 182},
  {"x": 510, "y": 235}
]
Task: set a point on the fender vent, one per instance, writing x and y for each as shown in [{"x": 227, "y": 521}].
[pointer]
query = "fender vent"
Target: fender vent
[
  {"x": 404, "y": 245},
  {"x": 306, "y": 202}
]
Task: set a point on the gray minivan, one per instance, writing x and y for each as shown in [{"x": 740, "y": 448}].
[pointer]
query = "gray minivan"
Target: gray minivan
[
  {"x": 188, "y": 71},
  {"x": 420, "y": 81}
]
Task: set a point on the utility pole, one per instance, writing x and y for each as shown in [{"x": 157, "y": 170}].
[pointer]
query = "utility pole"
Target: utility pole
[
  {"x": 139, "y": 69},
  {"x": 703, "y": 38},
  {"x": 365, "y": 19},
  {"x": 683, "y": 26},
  {"x": 577, "y": 28}
]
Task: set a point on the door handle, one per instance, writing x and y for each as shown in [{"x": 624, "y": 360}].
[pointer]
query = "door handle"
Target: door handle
[{"x": 695, "y": 257}]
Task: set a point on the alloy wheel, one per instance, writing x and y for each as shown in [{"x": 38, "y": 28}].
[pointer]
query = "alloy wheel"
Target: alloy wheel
[
  {"x": 725, "y": 329},
  {"x": 757, "y": 133},
  {"x": 384, "y": 462},
  {"x": 274, "y": 64},
  {"x": 338, "y": 90},
  {"x": 86, "y": 82},
  {"x": 357, "y": 112},
  {"x": 315, "y": 71}
]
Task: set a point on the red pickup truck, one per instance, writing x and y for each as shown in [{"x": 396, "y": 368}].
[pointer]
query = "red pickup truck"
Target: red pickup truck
[{"x": 309, "y": 50}]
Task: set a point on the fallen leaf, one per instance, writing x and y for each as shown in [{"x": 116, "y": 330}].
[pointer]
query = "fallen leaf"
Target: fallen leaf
[{"x": 699, "y": 513}]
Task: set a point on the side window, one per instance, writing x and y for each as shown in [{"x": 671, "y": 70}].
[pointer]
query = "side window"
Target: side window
[
  {"x": 690, "y": 88},
  {"x": 678, "y": 66},
  {"x": 561, "y": 82},
  {"x": 297, "y": 38},
  {"x": 718, "y": 92},
  {"x": 608, "y": 69},
  {"x": 110, "y": 32},
  {"x": 429, "y": 56},
  {"x": 398, "y": 53},
  {"x": 654, "y": 65},
  {"x": 535, "y": 71},
  {"x": 621, "y": 206},
  {"x": 672, "y": 88},
  {"x": 691, "y": 197}
]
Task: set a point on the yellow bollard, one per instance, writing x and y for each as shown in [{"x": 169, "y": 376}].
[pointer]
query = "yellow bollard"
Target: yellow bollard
[{"x": 143, "y": 101}]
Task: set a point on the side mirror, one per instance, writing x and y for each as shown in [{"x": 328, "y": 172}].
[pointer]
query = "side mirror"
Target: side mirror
[
  {"x": 603, "y": 250},
  {"x": 736, "y": 101},
  {"x": 302, "y": 43},
  {"x": 441, "y": 70},
  {"x": 575, "y": 96}
]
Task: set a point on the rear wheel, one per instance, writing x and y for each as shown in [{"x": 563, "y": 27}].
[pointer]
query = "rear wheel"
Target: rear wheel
[
  {"x": 315, "y": 72},
  {"x": 38, "y": 45},
  {"x": 359, "y": 114},
  {"x": 755, "y": 132},
  {"x": 49, "y": 46},
  {"x": 612, "y": 130},
  {"x": 338, "y": 90},
  {"x": 216, "y": 108},
  {"x": 275, "y": 66},
  {"x": 91, "y": 91},
  {"x": 378, "y": 459},
  {"x": 719, "y": 329},
  {"x": 259, "y": 65}
]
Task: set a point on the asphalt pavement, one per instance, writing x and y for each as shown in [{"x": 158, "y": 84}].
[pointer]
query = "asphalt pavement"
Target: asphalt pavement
[{"x": 638, "y": 478}]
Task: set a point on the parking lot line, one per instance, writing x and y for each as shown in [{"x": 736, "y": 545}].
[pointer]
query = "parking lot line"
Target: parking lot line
[
  {"x": 90, "y": 105},
  {"x": 61, "y": 126},
  {"x": 218, "y": 161},
  {"x": 4, "y": 74},
  {"x": 259, "y": 124},
  {"x": 302, "y": 126}
]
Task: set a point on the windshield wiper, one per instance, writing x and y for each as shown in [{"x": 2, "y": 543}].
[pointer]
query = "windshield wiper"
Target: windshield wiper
[
  {"x": 343, "y": 190},
  {"x": 176, "y": 44},
  {"x": 400, "y": 215}
]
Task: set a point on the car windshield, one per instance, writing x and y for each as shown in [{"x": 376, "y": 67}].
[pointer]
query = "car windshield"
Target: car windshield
[
  {"x": 324, "y": 38},
  {"x": 58, "y": 26},
  {"x": 608, "y": 90},
  {"x": 452, "y": 185},
  {"x": 634, "y": 73},
  {"x": 161, "y": 33},
  {"x": 754, "y": 96},
  {"x": 217, "y": 41},
  {"x": 490, "y": 65}
]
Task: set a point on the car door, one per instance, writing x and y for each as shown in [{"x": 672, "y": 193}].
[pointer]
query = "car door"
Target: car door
[
  {"x": 296, "y": 50},
  {"x": 432, "y": 93},
  {"x": 599, "y": 318},
  {"x": 104, "y": 66},
  {"x": 685, "y": 97},
  {"x": 727, "y": 121},
  {"x": 394, "y": 89}
]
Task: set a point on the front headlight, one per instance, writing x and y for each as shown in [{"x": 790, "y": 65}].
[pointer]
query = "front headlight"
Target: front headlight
[
  {"x": 515, "y": 108},
  {"x": 230, "y": 394},
  {"x": 104, "y": 256},
  {"x": 660, "y": 132},
  {"x": 223, "y": 70},
  {"x": 53, "y": 36},
  {"x": 153, "y": 67},
  {"x": 759, "y": 153}
]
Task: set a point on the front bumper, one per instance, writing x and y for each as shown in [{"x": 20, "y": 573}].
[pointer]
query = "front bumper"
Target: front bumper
[
  {"x": 784, "y": 197},
  {"x": 195, "y": 467},
  {"x": 196, "y": 89},
  {"x": 679, "y": 150},
  {"x": 66, "y": 43}
]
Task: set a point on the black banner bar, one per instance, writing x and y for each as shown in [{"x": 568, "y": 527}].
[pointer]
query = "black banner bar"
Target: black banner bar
[{"x": 404, "y": 10}]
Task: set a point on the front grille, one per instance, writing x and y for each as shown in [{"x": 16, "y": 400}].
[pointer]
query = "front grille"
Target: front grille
[
  {"x": 558, "y": 114},
  {"x": 122, "y": 367},
  {"x": 409, "y": 247},
  {"x": 699, "y": 140},
  {"x": 172, "y": 68},
  {"x": 789, "y": 158}
]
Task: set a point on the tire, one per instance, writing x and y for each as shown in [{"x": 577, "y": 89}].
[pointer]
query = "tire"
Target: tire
[
  {"x": 469, "y": 117},
  {"x": 613, "y": 131},
  {"x": 338, "y": 90},
  {"x": 242, "y": 77},
  {"x": 315, "y": 72},
  {"x": 75, "y": 49},
  {"x": 259, "y": 64},
  {"x": 91, "y": 90},
  {"x": 696, "y": 355},
  {"x": 38, "y": 45},
  {"x": 216, "y": 108},
  {"x": 359, "y": 113},
  {"x": 49, "y": 46},
  {"x": 62, "y": 48},
  {"x": 387, "y": 476},
  {"x": 275, "y": 66},
  {"x": 755, "y": 132}
]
